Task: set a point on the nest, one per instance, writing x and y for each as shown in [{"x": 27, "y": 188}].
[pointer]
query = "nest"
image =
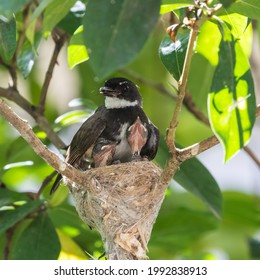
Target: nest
[{"x": 122, "y": 202}]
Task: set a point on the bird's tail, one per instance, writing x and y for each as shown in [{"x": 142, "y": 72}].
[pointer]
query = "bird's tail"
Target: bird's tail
[{"x": 56, "y": 184}]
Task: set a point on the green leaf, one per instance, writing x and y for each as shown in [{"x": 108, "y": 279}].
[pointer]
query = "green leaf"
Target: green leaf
[
  {"x": 195, "y": 178},
  {"x": 168, "y": 6},
  {"x": 248, "y": 8},
  {"x": 7, "y": 38},
  {"x": 39, "y": 241},
  {"x": 173, "y": 54},
  {"x": 8, "y": 197},
  {"x": 231, "y": 103},
  {"x": 27, "y": 55},
  {"x": 73, "y": 20},
  {"x": 116, "y": 31},
  {"x": 55, "y": 12},
  {"x": 71, "y": 117},
  {"x": 18, "y": 164},
  {"x": 30, "y": 31},
  {"x": 227, "y": 3},
  {"x": 77, "y": 51},
  {"x": 10, "y": 7},
  {"x": 9, "y": 218}
]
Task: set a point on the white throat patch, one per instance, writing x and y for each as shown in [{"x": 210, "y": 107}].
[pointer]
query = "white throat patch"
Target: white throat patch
[{"x": 116, "y": 103}]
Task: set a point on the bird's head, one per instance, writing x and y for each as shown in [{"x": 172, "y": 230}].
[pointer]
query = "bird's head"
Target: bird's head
[{"x": 120, "y": 93}]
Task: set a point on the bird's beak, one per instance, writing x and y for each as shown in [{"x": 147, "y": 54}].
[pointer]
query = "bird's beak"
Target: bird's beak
[{"x": 107, "y": 91}]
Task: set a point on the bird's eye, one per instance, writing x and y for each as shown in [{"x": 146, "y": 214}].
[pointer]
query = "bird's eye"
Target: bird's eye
[{"x": 124, "y": 87}]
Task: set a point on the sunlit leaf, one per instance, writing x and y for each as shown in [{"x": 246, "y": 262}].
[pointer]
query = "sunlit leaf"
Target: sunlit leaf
[
  {"x": 7, "y": 38},
  {"x": 70, "y": 250},
  {"x": 55, "y": 12},
  {"x": 173, "y": 54},
  {"x": 111, "y": 40},
  {"x": 71, "y": 117},
  {"x": 39, "y": 241},
  {"x": 231, "y": 103},
  {"x": 9, "y": 218},
  {"x": 168, "y": 6},
  {"x": 77, "y": 51},
  {"x": 18, "y": 164}
]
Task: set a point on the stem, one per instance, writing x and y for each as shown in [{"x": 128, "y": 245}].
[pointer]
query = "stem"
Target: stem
[{"x": 48, "y": 76}]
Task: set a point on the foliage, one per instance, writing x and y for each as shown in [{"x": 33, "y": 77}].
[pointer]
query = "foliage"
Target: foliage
[{"x": 124, "y": 38}]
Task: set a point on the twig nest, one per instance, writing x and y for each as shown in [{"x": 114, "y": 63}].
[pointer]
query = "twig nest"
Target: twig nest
[{"x": 122, "y": 202}]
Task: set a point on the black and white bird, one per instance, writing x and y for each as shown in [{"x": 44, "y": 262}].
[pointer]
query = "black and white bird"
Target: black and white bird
[{"x": 118, "y": 132}]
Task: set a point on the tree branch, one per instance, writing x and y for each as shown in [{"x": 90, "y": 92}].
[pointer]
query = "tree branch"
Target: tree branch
[
  {"x": 13, "y": 95},
  {"x": 59, "y": 42},
  {"x": 40, "y": 149}
]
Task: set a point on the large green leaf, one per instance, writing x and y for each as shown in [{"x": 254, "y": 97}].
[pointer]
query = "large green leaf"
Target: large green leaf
[
  {"x": 173, "y": 54},
  {"x": 195, "y": 178},
  {"x": 39, "y": 241},
  {"x": 248, "y": 8},
  {"x": 9, "y": 218},
  {"x": 10, "y": 7},
  {"x": 55, "y": 12},
  {"x": 116, "y": 31},
  {"x": 7, "y": 38},
  {"x": 231, "y": 103}
]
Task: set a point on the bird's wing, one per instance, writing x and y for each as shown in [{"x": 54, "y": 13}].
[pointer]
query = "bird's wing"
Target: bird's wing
[
  {"x": 151, "y": 146},
  {"x": 86, "y": 136}
]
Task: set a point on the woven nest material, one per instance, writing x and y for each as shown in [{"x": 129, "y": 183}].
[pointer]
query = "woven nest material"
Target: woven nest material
[{"x": 122, "y": 201}]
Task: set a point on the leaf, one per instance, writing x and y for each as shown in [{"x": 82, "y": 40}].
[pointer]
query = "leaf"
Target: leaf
[
  {"x": 231, "y": 103},
  {"x": 7, "y": 38},
  {"x": 18, "y": 164},
  {"x": 168, "y": 6},
  {"x": 70, "y": 250},
  {"x": 55, "y": 12},
  {"x": 72, "y": 21},
  {"x": 9, "y": 218},
  {"x": 10, "y": 7},
  {"x": 254, "y": 246},
  {"x": 111, "y": 40},
  {"x": 39, "y": 241},
  {"x": 8, "y": 197},
  {"x": 71, "y": 117},
  {"x": 77, "y": 51},
  {"x": 27, "y": 55},
  {"x": 173, "y": 54},
  {"x": 248, "y": 8},
  {"x": 227, "y": 3},
  {"x": 195, "y": 178}
]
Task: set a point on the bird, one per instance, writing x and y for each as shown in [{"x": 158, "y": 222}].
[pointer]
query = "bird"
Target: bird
[{"x": 119, "y": 131}]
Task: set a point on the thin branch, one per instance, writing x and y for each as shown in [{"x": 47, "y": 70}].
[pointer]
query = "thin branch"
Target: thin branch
[
  {"x": 13, "y": 95},
  {"x": 170, "y": 135},
  {"x": 40, "y": 149},
  {"x": 59, "y": 42}
]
